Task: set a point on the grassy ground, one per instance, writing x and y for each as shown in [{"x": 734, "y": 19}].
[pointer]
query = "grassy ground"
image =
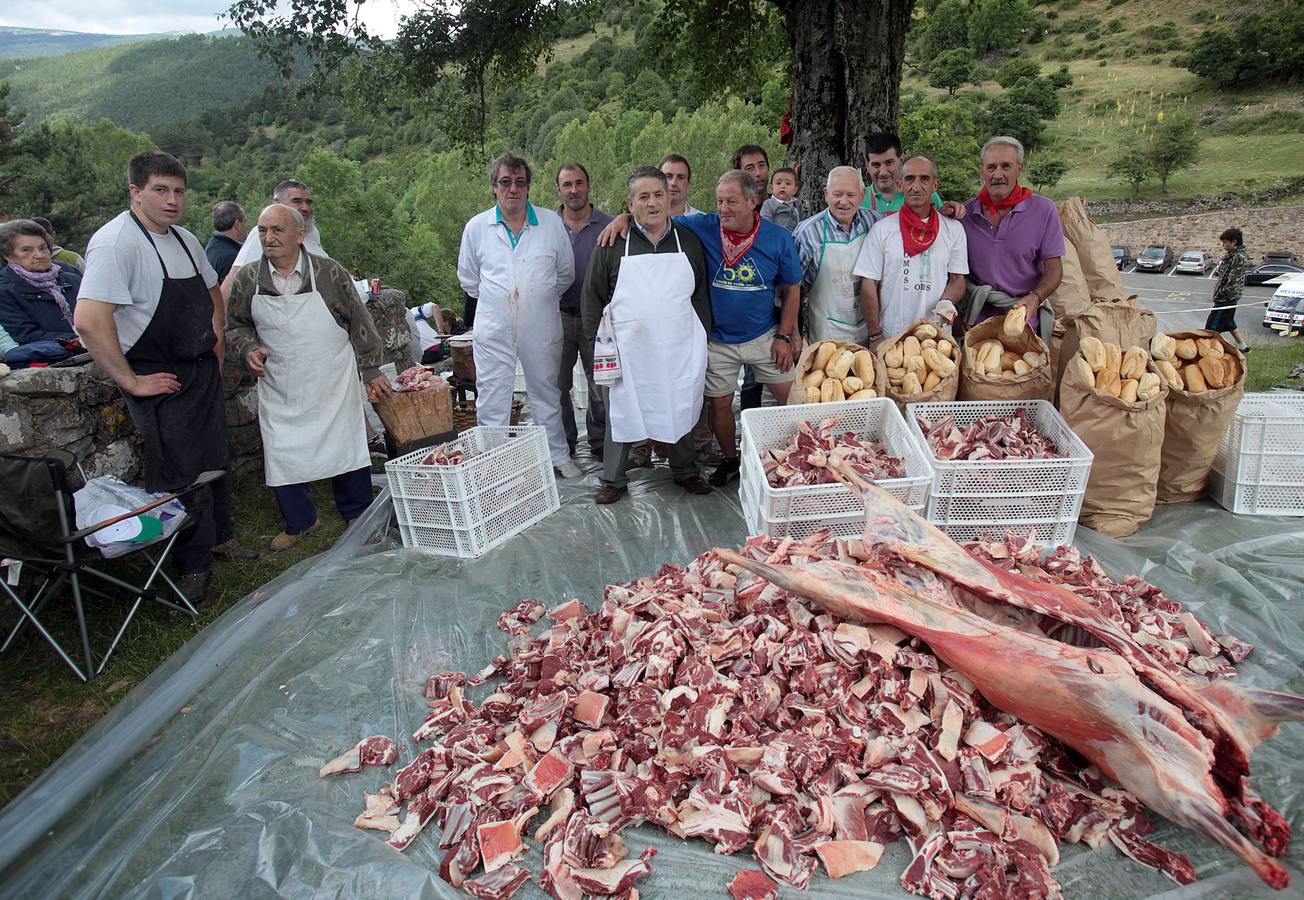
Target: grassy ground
[
  {"x": 44, "y": 708},
  {"x": 1267, "y": 367}
]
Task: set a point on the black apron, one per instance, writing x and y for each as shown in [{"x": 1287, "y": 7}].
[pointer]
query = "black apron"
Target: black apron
[{"x": 183, "y": 433}]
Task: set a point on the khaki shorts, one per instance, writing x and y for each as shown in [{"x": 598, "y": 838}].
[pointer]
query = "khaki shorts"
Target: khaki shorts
[{"x": 724, "y": 360}]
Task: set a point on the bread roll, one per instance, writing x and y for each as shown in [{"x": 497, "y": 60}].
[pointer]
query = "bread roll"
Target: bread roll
[
  {"x": 1129, "y": 391},
  {"x": 1171, "y": 374},
  {"x": 911, "y": 384},
  {"x": 851, "y": 384},
  {"x": 1148, "y": 387},
  {"x": 925, "y": 330},
  {"x": 840, "y": 365},
  {"x": 932, "y": 381},
  {"x": 1093, "y": 351},
  {"x": 911, "y": 346},
  {"x": 866, "y": 394},
  {"x": 1185, "y": 349},
  {"x": 1211, "y": 368},
  {"x": 823, "y": 354},
  {"x": 863, "y": 365},
  {"x": 894, "y": 357},
  {"x": 1134, "y": 363},
  {"x": 1114, "y": 359},
  {"x": 1194, "y": 378},
  {"x": 1162, "y": 346},
  {"x": 1014, "y": 321},
  {"x": 813, "y": 378},
  {"x": 1108, "y": 382}
]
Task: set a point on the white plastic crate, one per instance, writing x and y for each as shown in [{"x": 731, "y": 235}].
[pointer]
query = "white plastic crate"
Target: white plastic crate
[
  {"x": 797, "y": 512},
  {"x": 1259, "y": 469},
  {"x": 1043, "y": 496},
  {"x": 468, "y": 509}
]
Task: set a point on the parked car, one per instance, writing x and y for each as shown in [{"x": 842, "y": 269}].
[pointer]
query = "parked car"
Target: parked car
[
  {"x": 1194, "y": 262},
  {"x": 1155, "y": 258},
  {"x": 1280, "y": 258},
  {"x": 1123, "y": 256},
  {"x": 1270, "y": 273},
  {"x": 1285, "y": 310}
]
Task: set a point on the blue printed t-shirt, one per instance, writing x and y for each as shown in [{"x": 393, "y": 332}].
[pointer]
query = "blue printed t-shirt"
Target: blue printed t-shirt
[{"x": 742, "y": 296}]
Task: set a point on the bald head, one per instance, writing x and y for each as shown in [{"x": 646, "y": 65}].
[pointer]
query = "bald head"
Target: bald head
[
  {"x": 281, "y": 230},
  {"x": 918, "y": 181}
]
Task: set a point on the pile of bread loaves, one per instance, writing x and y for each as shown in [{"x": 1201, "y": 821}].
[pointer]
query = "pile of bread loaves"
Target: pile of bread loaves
[
  {"x": 839, "y": 374},
  {"x": 920, "y": 359},
  {"x": 1194, "y": 364}
]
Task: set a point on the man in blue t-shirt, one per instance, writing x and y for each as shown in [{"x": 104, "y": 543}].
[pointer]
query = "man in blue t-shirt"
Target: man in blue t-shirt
[{"x": 750, "y": 259}]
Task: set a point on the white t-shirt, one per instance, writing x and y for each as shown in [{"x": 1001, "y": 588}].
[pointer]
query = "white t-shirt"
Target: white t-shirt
[
  {"x": 122, "y": 268},
  {"x": 252, "y": 251},
  {"x": 908, "y": 289}
]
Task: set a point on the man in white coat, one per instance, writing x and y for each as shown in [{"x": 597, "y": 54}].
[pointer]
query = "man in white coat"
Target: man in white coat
[
  {"x": 515, "y": 262},
  {"x": 911, "y": 261}
]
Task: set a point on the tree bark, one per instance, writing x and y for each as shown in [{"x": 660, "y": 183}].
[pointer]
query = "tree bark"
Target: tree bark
[{"x": 846, "y": 75}]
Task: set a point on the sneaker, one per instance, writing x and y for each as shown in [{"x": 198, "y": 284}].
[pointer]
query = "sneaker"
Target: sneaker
[
  {"x": 568, "y": 470},
  {"x": 608, "y": 493},
  {"x": 194, "y": 585},
  {"x": 695, "y": 484},
  {"x": 233, "y": 549},
  {"x": 726, "y": 472},
  {"x": 284, "y": 541}
]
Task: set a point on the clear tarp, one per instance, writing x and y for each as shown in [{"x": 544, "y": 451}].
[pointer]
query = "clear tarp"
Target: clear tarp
[{"x": 203, "y": 782}]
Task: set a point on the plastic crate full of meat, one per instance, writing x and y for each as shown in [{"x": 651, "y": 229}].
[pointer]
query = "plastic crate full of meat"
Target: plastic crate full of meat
[
  {"x": 802, "y": 509},
  {"x": 471, "y": 494},
  {"x": 1002, "y": 465},
  {"x": 1259, "y": 469}
]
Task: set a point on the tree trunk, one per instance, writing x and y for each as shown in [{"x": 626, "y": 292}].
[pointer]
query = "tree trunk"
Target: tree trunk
[{"x": 846, "y": 77}]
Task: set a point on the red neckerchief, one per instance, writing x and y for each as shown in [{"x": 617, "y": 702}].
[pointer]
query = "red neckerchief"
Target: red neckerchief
[
  {"x": 736, "y": 245},
  {"x": 917, "y": 234},
  {"x": 1017, "y": 196}
]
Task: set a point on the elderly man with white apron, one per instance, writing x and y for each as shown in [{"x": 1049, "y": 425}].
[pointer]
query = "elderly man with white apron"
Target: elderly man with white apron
[
  {"x": 302, "y": 329},
  {"x": 828, "y": 244},
  {"x": 649, "y": 296}
]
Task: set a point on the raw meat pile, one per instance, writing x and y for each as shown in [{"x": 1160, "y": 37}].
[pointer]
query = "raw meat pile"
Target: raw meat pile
[
  {"x": 716, "y": 703},
  {"x": 807, "y": 457},
  {"x": 419, "y": 378},
  {"x": 1010, "y": 436}
]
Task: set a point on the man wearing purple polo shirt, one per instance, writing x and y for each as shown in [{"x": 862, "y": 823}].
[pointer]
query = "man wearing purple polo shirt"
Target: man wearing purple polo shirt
[{"x": 1015, "y": 241}]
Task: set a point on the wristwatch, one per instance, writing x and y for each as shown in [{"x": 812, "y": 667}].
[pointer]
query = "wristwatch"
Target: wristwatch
[{"x": 783, "y": 337}]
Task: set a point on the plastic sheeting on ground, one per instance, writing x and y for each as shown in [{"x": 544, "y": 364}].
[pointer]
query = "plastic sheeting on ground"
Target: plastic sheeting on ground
[{"x": 203, "y": 782}]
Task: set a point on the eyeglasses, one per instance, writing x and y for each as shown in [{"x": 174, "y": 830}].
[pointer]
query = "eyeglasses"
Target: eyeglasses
[{"x": 505, "y": 183}]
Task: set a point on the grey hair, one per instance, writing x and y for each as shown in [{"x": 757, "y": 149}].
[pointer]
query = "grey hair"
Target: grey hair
[
  {"x": 289, "y": 184},
  {"x": 12, "y": 230},
  {"x": 295, "y": 215},
  {"x": 511, "y": 162},
  {"x": 928, "y": 159},
  {"x": 1001, "y": 139},
  {"x": 744, "y": 180},
  {"x": 225, "y": 214},
  {"x": 645, "y": 172},
  {"x": 844, "y": 170}
]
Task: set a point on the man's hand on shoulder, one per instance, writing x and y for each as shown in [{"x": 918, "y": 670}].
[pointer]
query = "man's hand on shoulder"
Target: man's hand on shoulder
[
  {"x": 616, "y": 230},
  {"x": 953, "y": 209}
]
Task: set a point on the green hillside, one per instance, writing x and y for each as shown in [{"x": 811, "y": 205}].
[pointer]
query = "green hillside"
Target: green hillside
[{"x": 140, "y": 85}]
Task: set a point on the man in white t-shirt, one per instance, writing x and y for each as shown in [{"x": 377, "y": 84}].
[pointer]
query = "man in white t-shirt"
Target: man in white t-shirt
[
  {"x": 150, "y": 313},
  {"x": 290, "y": 193},
  {"x": 911, "y": 261}
]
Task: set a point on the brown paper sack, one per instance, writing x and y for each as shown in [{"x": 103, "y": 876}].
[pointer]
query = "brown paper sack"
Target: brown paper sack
[
  {"x": 945, "y": 390},
  {"x": 1111, "y": 321},
  {"x": 1095, "y": 256},
  {"x": 1126, "y": 438},
  {"x": 1071, "y": 298},
  {"x": 1193, "y": 429},
  {"x": 1034, "y": 385},
  {"x": 802, "y": 369}
]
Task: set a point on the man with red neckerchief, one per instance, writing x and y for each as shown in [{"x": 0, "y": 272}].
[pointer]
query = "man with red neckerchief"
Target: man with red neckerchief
[
  {"x": 1015, "y": 240},
  {"x": 912, "y": 261}
]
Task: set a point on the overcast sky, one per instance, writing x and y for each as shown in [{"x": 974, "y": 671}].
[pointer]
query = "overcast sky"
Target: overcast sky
[{"x": 150, "y": 16}]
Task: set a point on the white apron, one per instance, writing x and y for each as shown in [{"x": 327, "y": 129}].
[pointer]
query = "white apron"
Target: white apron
[
  {"x": 662, "y": 349},
  {"x": 309, "y": 404},
  {"x": 834, "y": 313}
]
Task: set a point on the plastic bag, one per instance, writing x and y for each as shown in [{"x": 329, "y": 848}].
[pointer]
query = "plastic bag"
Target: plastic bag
[
  {"x": 606, "y": 355},
  {"x": 107, "y": 492}
]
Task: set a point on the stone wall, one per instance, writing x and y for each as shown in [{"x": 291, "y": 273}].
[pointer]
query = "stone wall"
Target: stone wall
[
  {"x": 1266, "y": 229},
  {"x": 79, "y": 408}
]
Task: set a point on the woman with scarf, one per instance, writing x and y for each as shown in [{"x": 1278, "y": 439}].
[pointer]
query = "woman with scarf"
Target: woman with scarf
[
  {"x": 1232, "y": 267},
  {"x": 37, "y": 296}
]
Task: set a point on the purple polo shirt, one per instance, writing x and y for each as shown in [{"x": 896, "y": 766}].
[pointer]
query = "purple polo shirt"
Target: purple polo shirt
[
  {"x": 582, "y": 244},
  {"x": 1010, "y": 258}
]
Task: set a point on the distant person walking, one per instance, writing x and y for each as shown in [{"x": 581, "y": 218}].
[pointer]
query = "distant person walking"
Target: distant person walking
[{"x": 1232, "y": 267}]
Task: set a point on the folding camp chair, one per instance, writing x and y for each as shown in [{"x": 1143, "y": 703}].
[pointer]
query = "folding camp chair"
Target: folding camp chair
[{"x": 38, "y": 529}]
